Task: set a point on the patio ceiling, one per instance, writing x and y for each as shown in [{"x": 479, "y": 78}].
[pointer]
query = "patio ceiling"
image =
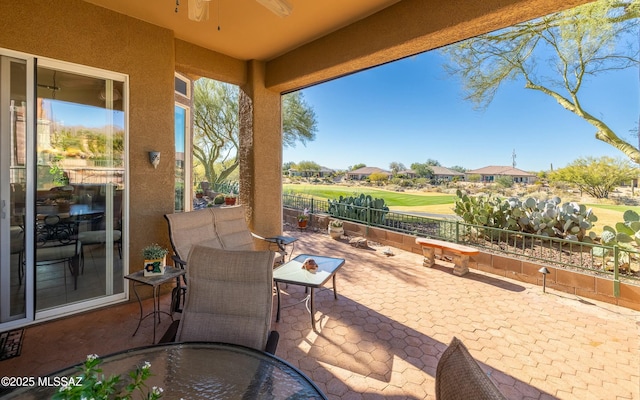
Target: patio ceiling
[
  {"x": 324, "y": 40},
  {"x": 248, "y": 30}
]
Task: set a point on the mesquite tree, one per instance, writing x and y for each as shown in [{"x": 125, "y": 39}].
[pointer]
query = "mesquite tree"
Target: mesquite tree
[
  {"x": 216, "y": 126},
  {"x": 554, "y": 55}
]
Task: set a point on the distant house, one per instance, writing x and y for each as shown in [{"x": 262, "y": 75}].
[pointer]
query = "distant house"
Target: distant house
[
  {"x": 446, "y": 174},
  {"x": 364, "y": 172},
  {"x": 439, "y": 174},
  {"x": 492, "y": 173},
  {"x": 322, "y": 173},
  {"x": 407, "y": 173}
]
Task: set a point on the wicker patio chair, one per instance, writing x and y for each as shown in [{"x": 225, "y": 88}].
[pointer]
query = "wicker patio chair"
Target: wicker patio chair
[
  {"x": 458, "y": 376},
  {"x": 229, "y": 300},
  {"x": 218, "y": 227}
]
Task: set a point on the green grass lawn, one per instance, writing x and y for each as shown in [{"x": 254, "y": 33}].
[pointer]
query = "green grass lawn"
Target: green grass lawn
[
  {"x": 435, "y": 203},
  {"x": 392, "y": 199},
  {"x": 609, "y": 214}
]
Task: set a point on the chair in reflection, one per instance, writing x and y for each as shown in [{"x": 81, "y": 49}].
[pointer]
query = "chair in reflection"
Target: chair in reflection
[
  {"x": 92, "y": 225},
  {"x": 57, "y": 243},
  {"x": 93, "y": 236},
  {"x": 229, "y": 300},
  {"x": 16, "y": 236}
]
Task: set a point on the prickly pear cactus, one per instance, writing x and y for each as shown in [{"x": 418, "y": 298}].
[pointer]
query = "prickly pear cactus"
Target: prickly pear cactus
[
  {"x": 541, "y": 217},
  {"x": 360, "y": 208},
  {"x": 625, "y": 235}
]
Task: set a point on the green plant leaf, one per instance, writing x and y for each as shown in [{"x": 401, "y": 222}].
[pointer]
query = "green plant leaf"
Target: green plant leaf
[
  {"x": 630, "y": 216},
  {"x": 621, "y": 227}
]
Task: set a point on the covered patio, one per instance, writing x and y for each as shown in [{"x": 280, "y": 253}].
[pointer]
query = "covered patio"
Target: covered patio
[
  {"x": 134, "y": 52},
  {"x": 393, "y": 319},
  {"x": 383, "y": 336}
]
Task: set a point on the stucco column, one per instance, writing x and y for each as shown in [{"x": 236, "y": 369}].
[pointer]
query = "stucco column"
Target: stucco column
[{"x": 261, "y": 152}]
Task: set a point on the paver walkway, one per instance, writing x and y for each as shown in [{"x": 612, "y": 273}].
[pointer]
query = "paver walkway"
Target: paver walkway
[{"x": 393, "y": 319}]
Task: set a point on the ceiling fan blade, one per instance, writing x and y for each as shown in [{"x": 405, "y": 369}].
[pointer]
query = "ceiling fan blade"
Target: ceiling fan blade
[
  {"x": 281, "y": 8},
  {"x": 198, "y": 10}
]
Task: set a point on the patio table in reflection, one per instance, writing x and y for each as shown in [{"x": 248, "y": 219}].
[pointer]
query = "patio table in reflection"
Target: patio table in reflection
[{"x": 203, "y": 371}]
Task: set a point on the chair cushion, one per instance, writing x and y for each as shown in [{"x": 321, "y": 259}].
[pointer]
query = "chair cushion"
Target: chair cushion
[
  {"x": 57, "y": 252},
  {"x": 95, "y": 237},
  {"x": 230, "y": 297},
  {"x": 231, "y": 225},
  {"x": 16, "y": 237},
  {"x": 458, "y": 376},
  {"x": 17, "y": 246},
  {"x": 190, "y": 228}
]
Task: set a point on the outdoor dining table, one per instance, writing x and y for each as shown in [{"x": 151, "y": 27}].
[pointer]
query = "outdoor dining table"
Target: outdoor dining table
[{"x": 202, "y": 371}]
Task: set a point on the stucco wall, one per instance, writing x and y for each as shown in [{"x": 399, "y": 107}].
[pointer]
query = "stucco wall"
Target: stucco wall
[
  {"x": 200, "y": 62},
  {"x": 78, "y": 32},
  {"x": 407, "y": 28},
  {"x": 261, "y": 153}
]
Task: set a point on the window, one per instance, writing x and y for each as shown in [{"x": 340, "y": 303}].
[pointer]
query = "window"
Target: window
[
  {"x": 181, "y": 129},
  {"x": 182, "y": 86}
]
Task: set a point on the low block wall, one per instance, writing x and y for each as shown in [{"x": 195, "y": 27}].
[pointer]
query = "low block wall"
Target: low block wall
[{"x": 578, "y": 283}]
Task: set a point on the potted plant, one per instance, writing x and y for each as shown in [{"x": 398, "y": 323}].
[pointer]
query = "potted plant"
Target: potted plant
[
  {"x": 199, "y": 194},
  {"x": 155, "y": 259},
  {"x": 219, "y": 199},
  {"x": 335, "y": 229},
  {"x": 230, "y": 199},
  {"x": 303, "y": 219}
]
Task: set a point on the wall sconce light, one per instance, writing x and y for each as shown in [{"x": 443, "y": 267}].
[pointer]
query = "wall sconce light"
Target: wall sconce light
[
  {"x": 544, "y": 271},
  {"x": 154, "y": 158}
]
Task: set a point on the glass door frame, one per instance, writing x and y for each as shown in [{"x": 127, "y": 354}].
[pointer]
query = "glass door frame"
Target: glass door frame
[
  {"x": 185, "y": 135},
  {"x": 89, "y": 304},
  {"x": 6, "y": 58}
]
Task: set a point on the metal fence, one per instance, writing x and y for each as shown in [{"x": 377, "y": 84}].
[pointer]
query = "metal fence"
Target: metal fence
[
  {"x": 96, "y": 175},
  {"x": 612, "y": 261}
]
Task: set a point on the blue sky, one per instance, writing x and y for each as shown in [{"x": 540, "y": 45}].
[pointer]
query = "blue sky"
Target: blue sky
[
  {"x": 411, "y": 111},
  {"x": 76, "y": 114}
]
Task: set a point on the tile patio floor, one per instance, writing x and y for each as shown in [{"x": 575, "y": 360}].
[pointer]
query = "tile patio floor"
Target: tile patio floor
[{"x": 393, "y": 319}]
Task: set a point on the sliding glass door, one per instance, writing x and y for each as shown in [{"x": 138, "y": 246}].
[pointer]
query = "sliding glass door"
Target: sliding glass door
[
  {"x": 62, "y": 188},
  {"x": 80, "y": 182}
]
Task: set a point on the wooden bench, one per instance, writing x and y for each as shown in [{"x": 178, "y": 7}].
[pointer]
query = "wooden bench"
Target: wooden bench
[{"x": 461, "y": 253}]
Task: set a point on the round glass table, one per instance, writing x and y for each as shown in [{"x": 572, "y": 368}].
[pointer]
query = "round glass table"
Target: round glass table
[{"x": 202, "y": 371}]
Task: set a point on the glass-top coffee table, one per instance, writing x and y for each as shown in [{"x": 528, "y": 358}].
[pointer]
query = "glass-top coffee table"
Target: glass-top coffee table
[
  {"x": 197, "y": 371},
  {"x": 293, "y": 273}
]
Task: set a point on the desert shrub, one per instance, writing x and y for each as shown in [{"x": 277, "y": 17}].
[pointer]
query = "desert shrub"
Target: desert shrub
[
  {"x": 505, "y": 181},
  {"x": 378, "y": 178},
  {"x": 407, "y": 183},
  {"x": 474, "y": 178}
]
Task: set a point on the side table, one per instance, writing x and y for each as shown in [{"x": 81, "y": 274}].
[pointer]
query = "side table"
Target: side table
[
  {"x": 282, "y": 242},
  {"x": 156, "y": 281},
  {"x": 293, "y": 273}
]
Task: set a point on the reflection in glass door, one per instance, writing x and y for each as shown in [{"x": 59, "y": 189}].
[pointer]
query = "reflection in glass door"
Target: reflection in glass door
[
  {"x": 15, "y": 304},
  {"x": 80, "y": 187}
]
